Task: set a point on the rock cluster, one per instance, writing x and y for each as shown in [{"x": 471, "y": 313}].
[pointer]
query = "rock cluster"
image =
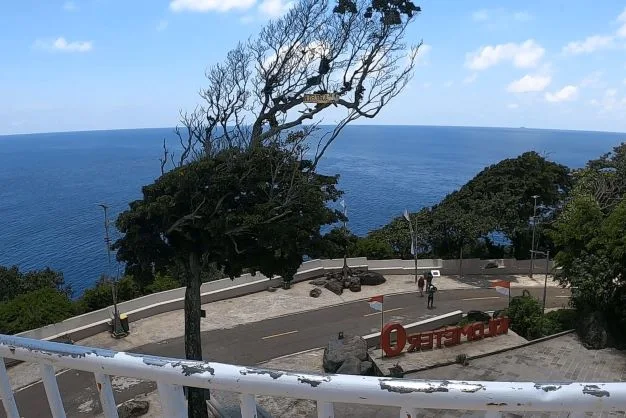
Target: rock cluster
[
  {"x": 347, "y": 355},
  {"x": 133, "y": 408},
  {"x": 336, "y": 282}
]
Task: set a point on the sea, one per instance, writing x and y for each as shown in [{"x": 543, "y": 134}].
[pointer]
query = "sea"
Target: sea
[{"x": 51, "y": 184}]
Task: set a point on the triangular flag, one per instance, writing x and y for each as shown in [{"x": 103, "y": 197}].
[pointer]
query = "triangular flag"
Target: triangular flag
[
  {"x": 412, "y": 247},
  {"x": 502, "y": 286},
  {"x": 376, "y": 302},
  {"x": 406, "y": 215}
]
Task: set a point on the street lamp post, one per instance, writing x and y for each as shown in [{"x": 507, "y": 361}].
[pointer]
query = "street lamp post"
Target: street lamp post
[
  {"x": 545, "y": 281},
  {"x": 413, "y": 239},
  {"x": 532, "y": 245},
  {"x": 117, "y": 331},
  {"x": 345, "y": 246}
]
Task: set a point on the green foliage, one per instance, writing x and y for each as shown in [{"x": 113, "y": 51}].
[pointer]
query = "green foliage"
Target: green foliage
[
  {"x": 373, "y": 249},
  {"x": 163, "y": 282},
  {"x": 258, "y": 208},
  {"x": 100, "y": 296},
  {"x": 34, "y": 309},
  {"x": 498, "y": 199},
  {"x": 525, "y": 313},
  {"x": 13, "y": 282},
  {"x": 333, "y": 244},
  {"x": 590, "y": 236},
  {"x": 565, "y": 318}
]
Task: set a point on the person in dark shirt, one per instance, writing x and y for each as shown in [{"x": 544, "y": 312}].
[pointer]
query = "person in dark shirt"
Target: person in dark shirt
[
  {"x": 420, "y": 285},
  {"x": 431, "y": 295}
]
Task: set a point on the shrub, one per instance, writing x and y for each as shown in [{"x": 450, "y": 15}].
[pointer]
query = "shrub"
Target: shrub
[
  {"x": 373, "y": 249},
  {"x": 100, "y": 296},
  {"x": 163, "y": 282},
  {"x": 462, "y": 359},
  {"x": 34, "y": 309},
  {"x": 526, "y": 315},
  {"x": 13, "y": 282},
  {"x": 566, "y": 318}
]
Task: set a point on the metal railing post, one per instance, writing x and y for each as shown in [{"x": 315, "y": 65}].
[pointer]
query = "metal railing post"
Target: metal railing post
[
  {"x": 6, "y": 392},
  {"x": 107, "y": 400},
  {"x": 172, "y": 400},
  {"x": 248, "y": 405},
  {"x": 52, "y": 390},
  {"x": 325, "y": 410}
]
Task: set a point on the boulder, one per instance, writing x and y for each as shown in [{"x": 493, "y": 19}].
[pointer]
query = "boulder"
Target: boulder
[
  {"x": 351, "y": 365},
  {"x": 337, "y": 351},
  {"x": 367, "y": 368},
  {"x": 354, "y": 284},
  {"x": 335, "y": 286},
  {"x": 319, "y": 282},
  {"x": 491, "y": 265},
  {"x": 315, "y": 293},
  {"x": 593, "y": 331},
  {"x": 371, "y": 278},
  {"x": 478, "y": 316},
  {"x": 133, "y": 408}
]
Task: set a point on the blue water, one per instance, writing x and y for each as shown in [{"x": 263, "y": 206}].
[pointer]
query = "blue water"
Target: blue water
[{"x": 50, "y": 184}]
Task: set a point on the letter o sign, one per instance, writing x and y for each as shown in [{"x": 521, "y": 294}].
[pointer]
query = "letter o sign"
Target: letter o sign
[{"x": 385, "y": 340}]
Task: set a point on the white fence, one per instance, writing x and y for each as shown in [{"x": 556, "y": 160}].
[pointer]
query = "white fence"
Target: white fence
[{"x": 407, "y": 395}]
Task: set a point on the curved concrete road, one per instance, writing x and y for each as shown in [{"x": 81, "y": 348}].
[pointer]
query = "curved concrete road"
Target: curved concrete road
[{"x": 251, "y": 343}]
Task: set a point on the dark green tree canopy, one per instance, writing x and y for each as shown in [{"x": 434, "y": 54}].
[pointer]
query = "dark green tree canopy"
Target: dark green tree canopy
[{"x": 257, "y": 208}]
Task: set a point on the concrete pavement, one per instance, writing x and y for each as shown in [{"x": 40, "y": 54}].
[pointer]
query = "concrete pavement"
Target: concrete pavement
[{"x": 254, "y": 342}]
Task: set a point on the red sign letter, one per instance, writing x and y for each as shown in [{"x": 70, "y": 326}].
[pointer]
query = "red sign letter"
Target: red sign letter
[{"x": 385, "y": 339}]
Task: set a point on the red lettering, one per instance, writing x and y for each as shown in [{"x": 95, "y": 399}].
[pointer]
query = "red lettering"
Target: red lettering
[
  {"x": 426, "y": 340},
  {"x": 452, "y": 336},
  {"x": 503, "y": 325},
  {"x": 385, "y": 339},
  {"x": 467, "y": 331},
  {"x": 438, "y": 335},
  {"x": 414, "y": 341},
  {"x": 478, "y": 331},
  {"x": 493, "y": 329}
]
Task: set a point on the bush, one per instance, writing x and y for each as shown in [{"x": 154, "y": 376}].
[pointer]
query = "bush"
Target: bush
[
  {"x": 566, "y": 318},
  {"x": 34, "y": 309},
  {"x": 373, "y": 249},
  {"x": 163, "y": 282},
  {"x": 14, "y": 282},
  {"x": 526, "y": 316},
  {"x": 100, "y": 296}
]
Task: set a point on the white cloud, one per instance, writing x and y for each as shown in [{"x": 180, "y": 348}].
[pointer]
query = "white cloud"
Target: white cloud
[
  {"x": 590, "y": 44},
  {"x": 522, "y": 16},
  {"x": 480, "y": 15},
  {"x": 512, "y": 105},
  {"x": 62, "y": 45},
  {"x": 70, "y": 6},
  {"x": 566, "y": 94},
  {"x": 500, "y": 16},
  {"x": 609, "y": 102},
  {"x": 524, "y": 55},
  {"x": 163, "y": 24},
  {"x": 423, "y": 55},
  {"x": 529, "y": 83},
  {"x": 448, "y": 83},
  {"x": 621, "y": 32},
  {"x": 592, "y": 80},
  {"x": 274, "y": 8},
  {"x": 470, "y": 78},
  {"x": 209, "y": 5}
]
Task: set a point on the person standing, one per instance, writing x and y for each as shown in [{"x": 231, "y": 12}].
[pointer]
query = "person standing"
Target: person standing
[
  {"x": 431, "y": 296},
  {"x": 429, "y": 279},
  {"x": 420, "y": 285}
]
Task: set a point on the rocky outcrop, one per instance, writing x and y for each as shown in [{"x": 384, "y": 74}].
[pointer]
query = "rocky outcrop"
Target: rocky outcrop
[
  {"x": 315, "y": 293},
  {"x": 593, "y": 331},
  {"x": 336, "y": 282},
  {"x": 335, "y": 286},
  {"x": 478, "y": 316},
  {"x": 371, "y": 278},
  {"x": 133, "y": 408},
  {"x": 351, "y": 351}
]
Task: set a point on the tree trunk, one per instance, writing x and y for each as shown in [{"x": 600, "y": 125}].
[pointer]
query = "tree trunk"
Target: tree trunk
[
  {"x": 461, "y": 263},
  {"x": 196, "y": 397}
]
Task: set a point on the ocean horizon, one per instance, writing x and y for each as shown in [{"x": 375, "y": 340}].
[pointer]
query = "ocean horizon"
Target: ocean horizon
[{"x": 51, "y": 183}]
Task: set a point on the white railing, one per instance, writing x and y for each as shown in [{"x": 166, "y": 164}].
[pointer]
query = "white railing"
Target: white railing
[{"x": 408, "y": 395}]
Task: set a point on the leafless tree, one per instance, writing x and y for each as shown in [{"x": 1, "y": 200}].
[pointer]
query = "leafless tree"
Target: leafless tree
[{"x": 353, "y": 51}]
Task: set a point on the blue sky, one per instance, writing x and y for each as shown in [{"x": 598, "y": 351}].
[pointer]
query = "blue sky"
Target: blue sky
[{"x": 106, "y": 64}]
